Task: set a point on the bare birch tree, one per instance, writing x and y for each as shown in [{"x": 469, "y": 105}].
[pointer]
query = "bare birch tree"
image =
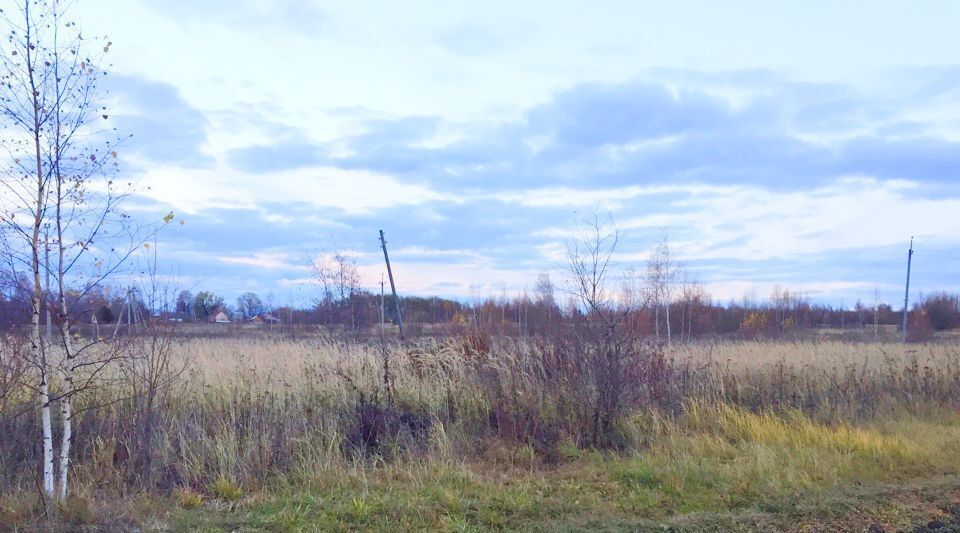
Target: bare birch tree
[
  {"x": 661, "y": 274},
  {"x": 58, "y": 173},
  {"x": 339, "y": 278}
]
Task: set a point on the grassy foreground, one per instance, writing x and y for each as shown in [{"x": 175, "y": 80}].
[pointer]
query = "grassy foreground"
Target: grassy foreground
[{"x": 713, "y": 468}]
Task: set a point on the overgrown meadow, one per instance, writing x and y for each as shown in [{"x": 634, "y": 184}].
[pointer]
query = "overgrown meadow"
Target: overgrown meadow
[{"x": 483, "y": 433}]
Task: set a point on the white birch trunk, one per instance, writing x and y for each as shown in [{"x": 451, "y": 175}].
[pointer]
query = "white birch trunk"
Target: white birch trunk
[
  {"x": 656, "y": 321},
  {"x": 69, "y": 357},
  {"x": 40, "y": 357},
  {"x": 66, "y": 414},
  {"x": 48, "y": 487},
  {"x": 666, "y": 309},
  {"x": 39, "y": 352}
]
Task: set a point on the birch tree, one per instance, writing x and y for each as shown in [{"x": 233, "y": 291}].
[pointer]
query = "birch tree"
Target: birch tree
[
  {"x": 59, "y": 164},
  {"x": 661, "y": 273},
  {"x": 338, "y": 276}
]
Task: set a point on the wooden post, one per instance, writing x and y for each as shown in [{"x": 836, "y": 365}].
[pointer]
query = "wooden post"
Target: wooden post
[
  {"x": 906, "y": 296},
  {"x": 393, "y": 287},
  {"x": 876, "y": 313}
]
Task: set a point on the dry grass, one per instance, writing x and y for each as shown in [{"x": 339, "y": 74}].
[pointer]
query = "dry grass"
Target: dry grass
[
  {"x": 213, "y": 360},
  {"x": 255, "y": 424},
  {"x": 833, "y": 379},
  {"x": 752, "y": 355}
]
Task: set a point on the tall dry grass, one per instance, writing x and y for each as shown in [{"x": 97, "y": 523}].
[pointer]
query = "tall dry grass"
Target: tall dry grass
[{"x": 247, "y": 411}]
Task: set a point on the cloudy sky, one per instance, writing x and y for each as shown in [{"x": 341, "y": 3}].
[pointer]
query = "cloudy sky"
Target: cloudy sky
[{"x": 796, "y": 144}]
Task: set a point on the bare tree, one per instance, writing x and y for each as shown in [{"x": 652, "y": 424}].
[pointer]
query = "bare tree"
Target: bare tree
[
  {"x": 59, "y": 174},
  {"x": 249, "y": 305},
  {"x": 590, "y": 263},
  {"x": 151, "y": 367},
  {"x": 339, "y": 278},
  {"x": 611, "y": 357},
  {"x": 544, "y": 292},
  {"x": 691, "y": 295},
  {"x": 184, "y": 303},
  {"x": 661, "y": 273}
]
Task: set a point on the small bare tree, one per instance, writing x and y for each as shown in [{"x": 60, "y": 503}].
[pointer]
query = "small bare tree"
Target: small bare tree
[
  {"x": 612, "y": 356},
  {"x": 339, "y": 278},
  {"x": 59, "y": 174},
  {"x": 661, "y": 274},
  {"x": 152, "y": 367}
]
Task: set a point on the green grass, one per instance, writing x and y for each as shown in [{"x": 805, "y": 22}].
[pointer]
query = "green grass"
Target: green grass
[{"x": 715, "y": 468}]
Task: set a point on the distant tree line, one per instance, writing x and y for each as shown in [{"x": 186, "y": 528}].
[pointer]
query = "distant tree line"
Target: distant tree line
[{"x": 689, "y": 314}]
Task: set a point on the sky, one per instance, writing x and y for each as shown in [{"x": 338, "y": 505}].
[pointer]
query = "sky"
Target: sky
[{"x": 796, "y": 145}]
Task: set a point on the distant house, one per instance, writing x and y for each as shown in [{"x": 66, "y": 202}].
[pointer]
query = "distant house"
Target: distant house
[
  {"x": 265, "y": 318},
  {"x": 220, "y": 317}
]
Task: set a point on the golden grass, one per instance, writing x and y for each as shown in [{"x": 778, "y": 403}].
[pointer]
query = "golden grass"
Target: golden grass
[
  {"x": 753, "y": 355},
  {"x": 214, "y": 360}
]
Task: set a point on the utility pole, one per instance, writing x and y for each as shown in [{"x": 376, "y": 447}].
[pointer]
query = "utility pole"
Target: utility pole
[
  {"x": 906, "y": 295},
  {"x": 393, "y": 286},
  {"x": 382, "y": 329},
  {"x": 876, "y": 313},
  {"x": 842, "y": 313}
]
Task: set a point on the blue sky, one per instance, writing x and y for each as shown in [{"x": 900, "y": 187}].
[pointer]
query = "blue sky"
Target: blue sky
[{"x": 797, "y": 145}]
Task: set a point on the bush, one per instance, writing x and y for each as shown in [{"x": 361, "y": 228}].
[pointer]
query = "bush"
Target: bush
[
  {"x": 568, "y": 389},
  {"x": 943, "y": 311}
]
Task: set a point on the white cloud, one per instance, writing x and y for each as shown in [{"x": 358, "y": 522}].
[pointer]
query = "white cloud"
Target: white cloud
[
  {"x": 757, "y": 223},
  {"x": 723, "y": 291},
  {"x": 353, "y": 191},
  {"x": 271, "y": 261}
]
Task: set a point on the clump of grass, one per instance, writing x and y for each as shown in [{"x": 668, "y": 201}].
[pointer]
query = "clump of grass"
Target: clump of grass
[
  {"x": 225, "y": 489},
  {"x": 187, "y": 498},
  {"x": 76, "y": 511}
]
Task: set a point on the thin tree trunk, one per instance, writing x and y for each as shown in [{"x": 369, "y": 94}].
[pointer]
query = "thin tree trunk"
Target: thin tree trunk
[
  {"x": 48, "y": 487},
  {"x": 69, "y": 361},
  {"x": 66, "y": 413},
  {"x": 656, "y": 321},
  {"x": 666, "y": 309},
  {"x": 39, "y": 352},
  {"x": 66, "y": 406}
]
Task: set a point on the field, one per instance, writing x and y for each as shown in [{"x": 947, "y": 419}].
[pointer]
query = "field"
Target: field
[{"x": 475, "y": 434}]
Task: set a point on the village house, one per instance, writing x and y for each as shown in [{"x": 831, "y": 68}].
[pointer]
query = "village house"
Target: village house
[{"x": 220, "y": 317}]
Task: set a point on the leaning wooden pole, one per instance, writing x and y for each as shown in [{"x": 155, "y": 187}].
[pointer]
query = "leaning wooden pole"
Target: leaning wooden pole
[
  {"x": 393, "y": 287},
  {"x": 906, "y": 296}
]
